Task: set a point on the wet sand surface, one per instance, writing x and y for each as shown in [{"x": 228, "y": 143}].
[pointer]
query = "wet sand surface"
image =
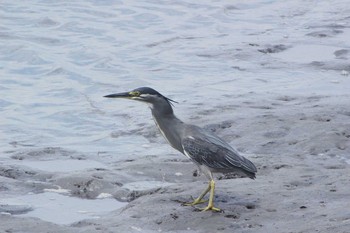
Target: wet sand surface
[{"x": 275, "y": 86}]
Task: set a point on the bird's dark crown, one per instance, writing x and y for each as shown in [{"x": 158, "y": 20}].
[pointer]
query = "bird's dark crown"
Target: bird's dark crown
[
  {"x": 149, "y": 91},
  {"x": 146, "y": 90}
]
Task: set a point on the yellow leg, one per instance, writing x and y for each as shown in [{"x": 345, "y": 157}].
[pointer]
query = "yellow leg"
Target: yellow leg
[
  {"x": 211, "y": 198},
  {"x": 199, "y": 200}
]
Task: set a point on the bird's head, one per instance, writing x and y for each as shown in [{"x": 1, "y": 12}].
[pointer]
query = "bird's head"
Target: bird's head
[{"x": 144, "y": 94}]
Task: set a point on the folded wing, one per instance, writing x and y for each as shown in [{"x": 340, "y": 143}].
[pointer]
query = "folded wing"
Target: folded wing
[{"x": 217, "y": 155}]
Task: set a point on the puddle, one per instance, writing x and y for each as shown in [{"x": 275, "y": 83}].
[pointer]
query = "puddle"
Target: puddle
[
  {"x": 62, "y": 165},
  {"x": 307, "y": 53},
  {"x": 145, "y": 185},
  {"x": 51, "y": 206}
]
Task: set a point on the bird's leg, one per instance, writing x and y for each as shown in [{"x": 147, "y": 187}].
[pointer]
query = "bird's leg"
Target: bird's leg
[
  {"x": 199, "y": 200},
  {"x": 211, "y": 198}
]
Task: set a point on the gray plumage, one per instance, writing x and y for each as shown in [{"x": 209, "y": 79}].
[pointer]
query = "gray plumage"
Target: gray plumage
[
  {"x": 201, "y": 146},
  {"x": 211, "y": 151}
]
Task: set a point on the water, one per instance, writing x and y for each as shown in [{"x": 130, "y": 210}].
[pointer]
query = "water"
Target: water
[
  {"x": 49, "y": 206},
  {"x": 58, "y": 59}
]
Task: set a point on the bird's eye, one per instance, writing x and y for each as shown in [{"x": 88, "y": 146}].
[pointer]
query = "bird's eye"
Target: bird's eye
[{"x": 134, "y": 93}]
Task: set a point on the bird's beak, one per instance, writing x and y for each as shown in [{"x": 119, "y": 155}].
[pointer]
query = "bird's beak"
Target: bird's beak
[{"x": 119, "y": 95}]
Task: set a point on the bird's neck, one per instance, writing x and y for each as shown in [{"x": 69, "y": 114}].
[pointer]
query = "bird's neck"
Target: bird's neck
[
  {"x": 170, "y": 126},
  {"x": 161, "y": 108}
]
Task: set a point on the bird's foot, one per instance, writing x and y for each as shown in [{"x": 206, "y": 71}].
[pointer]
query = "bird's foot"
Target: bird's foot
[
  {"x": 212, "y": 208},
  {"x": 195, "y": 202}
]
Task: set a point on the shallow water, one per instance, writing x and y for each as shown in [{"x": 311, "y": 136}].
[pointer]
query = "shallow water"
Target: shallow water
[
  {"x": 57, "y": 60},
  {"x": 50, "y": 206}
]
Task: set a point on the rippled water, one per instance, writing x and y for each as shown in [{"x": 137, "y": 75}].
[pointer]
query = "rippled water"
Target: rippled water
[
  {"x": 58, "y": 58},
  {"x": 50, "y": 206}
]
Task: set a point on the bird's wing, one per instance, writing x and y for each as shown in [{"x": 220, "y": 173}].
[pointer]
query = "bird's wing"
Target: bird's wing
[{"x": 213, "y": 152}]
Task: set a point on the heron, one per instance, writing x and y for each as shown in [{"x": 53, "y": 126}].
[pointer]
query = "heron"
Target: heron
[{"x": 205, "y": 149}]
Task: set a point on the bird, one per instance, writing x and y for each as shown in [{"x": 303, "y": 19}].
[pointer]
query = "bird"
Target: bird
[{"x": 205, "y": 149}]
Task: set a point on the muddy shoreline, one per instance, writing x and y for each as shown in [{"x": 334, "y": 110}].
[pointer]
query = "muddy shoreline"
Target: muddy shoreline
[{"x": 301, "y": 183}]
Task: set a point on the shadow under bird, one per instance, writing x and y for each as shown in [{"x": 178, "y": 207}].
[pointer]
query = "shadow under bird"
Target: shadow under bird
[{"x": 209, "y": 152}]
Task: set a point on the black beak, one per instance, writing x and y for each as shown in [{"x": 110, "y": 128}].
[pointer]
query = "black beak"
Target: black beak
[{"x": 118, "y": 95}]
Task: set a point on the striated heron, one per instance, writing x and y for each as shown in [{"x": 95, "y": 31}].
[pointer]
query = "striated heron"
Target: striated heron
[{"x": 209, "y": 152}]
